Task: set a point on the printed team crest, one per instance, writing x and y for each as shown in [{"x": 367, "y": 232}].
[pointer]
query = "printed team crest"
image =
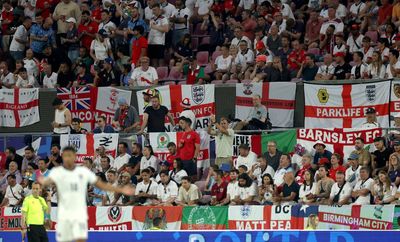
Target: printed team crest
[
  {"x": 75, "y": 141},
  {"x": 162, "y": 140},
  {"x": 114, "y": 214},
  {"x": 248, "y": 89},
  {"x": 323, "y": 95},
  {"x": 198, "y": 94},
  {"x": 113, "y": 99},
  {"x": 370, "y": 92},
  {"x": 202, "y": 218},
  {"x": 154, "y": 213},
  {"x": 245, "y": 211}
]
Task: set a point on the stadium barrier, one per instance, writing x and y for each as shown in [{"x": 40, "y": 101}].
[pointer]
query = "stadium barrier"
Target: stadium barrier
[{"x": 277, "y": 217}]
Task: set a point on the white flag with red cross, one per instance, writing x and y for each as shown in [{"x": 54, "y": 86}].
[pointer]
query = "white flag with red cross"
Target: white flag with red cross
[{"x": 344, "y": 106}]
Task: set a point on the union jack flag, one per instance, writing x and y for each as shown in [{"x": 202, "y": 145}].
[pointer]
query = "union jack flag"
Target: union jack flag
[{"x": 75, "y": 98}]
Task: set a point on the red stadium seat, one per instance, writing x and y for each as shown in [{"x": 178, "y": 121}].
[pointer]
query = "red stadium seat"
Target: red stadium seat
[
  {"x": 202, "y": 58},
  {"x": 208, "y": 69},
  {"x": 373, "y": 35},
  {"x": 195, "y": 43},
  {"x": 215, "y": 55},
  {"x": 232, "y": 81},
  {"x": 205, "y": 40},
  {"x": 175, "y": 74}
]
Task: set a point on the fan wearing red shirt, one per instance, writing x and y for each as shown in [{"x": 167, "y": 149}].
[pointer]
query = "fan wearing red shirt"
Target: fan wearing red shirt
[
  {"x": 296, "y": 57},
  {"x": 7, "y": 16},
  {"x": 306, "y": 160},
  {"x": 139, "y": 44},
  {"x": 189, "y": 147},
  {"x": 335, "y": 166},
  {"x": 96, "y": 12},
  {"x": 219, "y": 189},
  {"x": 87, "y": 29},
  {"x": 172, "y": 154}
]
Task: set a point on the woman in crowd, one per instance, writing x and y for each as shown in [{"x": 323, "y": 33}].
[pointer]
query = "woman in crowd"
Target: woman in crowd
[
  {"x": 267, "y": 190},
  {"x": 177, "y": 173},
  {"x": 383, "y": 191},
  {"x": 100, "y": 49},
  {"x": 312, "y": 223},
  {"x": 376, "y": 70},
  {"x": 394, "y": 169},
  {"x": 308, "y": 188},
  {"x": 182, "y": 50},
  {"x": 148, "y": 158}
]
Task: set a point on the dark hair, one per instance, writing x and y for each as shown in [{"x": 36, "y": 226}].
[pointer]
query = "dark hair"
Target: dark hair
[
  {"x": 112, "y": 172},
  {"x": 102, "y": 176},
  {"x": 127, "y": 67},
  {"x": 30, "y": 148},
  {"x": 23, "y": 69},
  {"x": 88, "y": 159},
  {"x": 139, "y": 28},
  {"x": 247, "y": 178},
  {"x": 123, "y": 144},
  {"x": 380, "y": 139},
  {"x": 12, "y": 176},
  {"x": 365, "y": 168},
  {"x": 312, "y": 56},
  {"x": 105, "y": 11},
  {"x": 164, "y": 172},
  {"x": 69, "y": 148},
  {"x": 11, "y": 149},
  {"x": 269, "y": 176},
  {"x": 27, "y": 18},
  {"x": 187, "y": 120},
  {"x": 288, "y": 156},
  {"x": 86, "y": 12},
  {"x": 145, "y": 171},
  {"x": 156, "y": 5},
  {"x": 33, "y": 165},
  {"x": 107, "y": 158},
  {"x": 179, "y": 164},
  {"x": 394, "y": 52},
  {"x": 360, "y": 139},
  {"x": 187, "y": 178},
  {"x": 359, "y": 53},
  {"x": 56, "y": 145},
  {"x": 384, "y": 41},
  {"x": 170, "y": 144},
  {"x": 219, "y": 173},
  {"x": 150, "y": 148},
  {"x": 234, "y": 170},
  {"x": 139, "y": 146},
  {"x": 243, "y": 167},
  {"x": 244, "y": 146},
  {"x": 102, "y": 117},
  {"x": 76, "y": 120},
  {"x": 157, "y": 221},
  {"x": 311, "y": 171}
]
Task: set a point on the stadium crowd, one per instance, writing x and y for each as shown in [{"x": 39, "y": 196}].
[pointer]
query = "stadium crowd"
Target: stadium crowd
[{"x": 52, "y": 43}]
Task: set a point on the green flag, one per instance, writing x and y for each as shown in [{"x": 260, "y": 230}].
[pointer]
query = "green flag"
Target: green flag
[
  {"x": 286, "y": 140},
  {"x": 205, "y": 218}
]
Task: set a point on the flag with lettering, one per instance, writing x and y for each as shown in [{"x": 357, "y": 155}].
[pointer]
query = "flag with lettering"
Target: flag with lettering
[
  {"x": 344, "y": 106},
  {"x": 205, "y": 218},
  {"x": 111, "y": 218},
  {"x": 277, "y": 97},
  {"x": 19, "y": 107},
  {"x": 201, "y": 98},
  {"x": 86, "y": 144},
  {"x": 171, "y": 217},
  {"x": 79, "y": 100},
  {"x": 254, "y": 142},
  {"x": 395, "y": 105}
]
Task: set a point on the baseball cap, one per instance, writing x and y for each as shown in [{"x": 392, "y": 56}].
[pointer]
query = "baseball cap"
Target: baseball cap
[
  {"x": 165, "y": 163},
  {"x": 370, "y": 111},
  {"x": 396, "y": 142},
  {"x": 109, "y": 60},
  {"x": 103, "y": 33},
  {"x": 340, "y": 54},
  {"x": 185, "y": 103},
  {"x": 353, "y": 156},
  {"x": 262, "y": 58},
  {"x": 260, "y": 44},
  {"x": 71, "y": 20}
]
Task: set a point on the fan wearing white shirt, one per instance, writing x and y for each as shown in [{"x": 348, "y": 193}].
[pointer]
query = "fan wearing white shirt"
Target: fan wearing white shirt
[
  {"x": 159, "y": 26},
  {"x": 144, "y": 75},
  {"x": 362, "y": 190},
  {"x": 148, "y": 159},
  {"x": 354, "y": 41},
  {"x": 20, "y": 39},
  {"x": 360, "y": 69},
  {"x": 6, "y": 76},
  {"x": 122, "y": 158},
  {"x": 327, "y": 70},
  {"x": 284, "y": 8},
  {"x": 370, "y": 115},
  {"x": 202, "y": 7},
  {"x": 308, "y": 188},
  {"x": 25, "y": 80},
  {"x": 177, "y": 173},
  {"x": 146, "y": 190},
  {"x": 341, "y": 191},
  {"x": 245, "y": 5},
  {"x": 167, "y": 190},
  {"x": 106, "y": 23},
  {"x": 247, "y": 191},
  {"x": 383, "y": 190},
  {"x": 239, "y": 36},
  {"x": 222, "y": 63},
  {"x": 259, "y": 169},
  {"x": 393, "y": 68},
  {"x": 352, "y": 175},
  {"x": 50, "y": 77},
  {"x": 13, "y": 195},
  {"x": 246, "y": 157}
]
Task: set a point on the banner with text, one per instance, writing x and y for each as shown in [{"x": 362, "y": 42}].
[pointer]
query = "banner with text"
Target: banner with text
[
  {"x": 344, "y": 106},
  {"x": 205, "y": 218},
  {"x": 254, "y": 142},
  {"x": 201, "y": 98},
  {"x": 395, "y": 105}
]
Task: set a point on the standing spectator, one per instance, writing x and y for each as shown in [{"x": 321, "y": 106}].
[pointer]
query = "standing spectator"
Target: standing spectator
[
  {"x": 7, "y": 16},
  {"x": 313, "y": 28},
  {"x": 383, "y": 190},
  {"x": 394, "y": 167},
  {"x": 239, "y": 36},
  {"x": 223, "y": 142},
  {"x": 246, "y": 157},
  {"x": 353, "y": 172},
  {"x": 146, "y": 190},
  {"x": 20, "y": 39},
  {"x": 367, "y": 49},
  {"x": 62, "y": 120},
  {"x": 12, "y": 170},
  {"x": 172, "y": 154},
  {"x": 106, "y": 23},
  {"x": 82, "y": 78},
  {"x": 139, "y": 45},
  {"x": 154, "y": 117},
  {"x": 321, "y": 152},
  {"x": 380, "y": 157},
  {"x": 108, "y": 76},
  {"x": 274, "y": 39},
  {"x": 29, "y": 157},
  {"x": 342, "y": 69},
  {"x": 144, "y": 75},
  {"x": 341, "y": 191},
  {"x": 13, "y": 196},
  {"x": 71, "y": 40},
  {"x": 307, "y": 189},
  {"x": 6, "y": 76},
  {"x": 290, "y": 191},
  {"x": 354, "y": 41},
  {"x": 326, "y": 71},
  {"x": 65, "y": 77},
  {"x": 384, "y": 12},
  {"x": 87, "y": 29},
  {"x": 148, "y": 159},
  {"x": 122, "y": 158},
  {"x": 112, "y": 179},
  {"x": 42, "y": 36},
  {"x": 126, "y": 117},
  {"x": 376, "y": 69},
  {"x": 180, "y": 17},
  {"x": 167, "y": 190},
  {"x": 219, "y": 189},
  {"x": 273, "y": 155},
  {"x": 248, "y": 23},
  {"x": 76, "y": 127},
  {"x": 159, "y": 26},
  {"x": 178, "y": 172},
  {"x": 102, "y": 126},
  {"x": 246, "y": 192},
  {"x": 308, "y": 69},
  {"x": 335, "y": 166},
  {"x": 100, "y": 48},
  {"x": 362, "y": 190},
  {"x": 324, "y": 186},
  {"x": 296, "y": 57},
  {"x": 360, "y": 69},
  {"x": 259, "y": 169},
  {"x": 50, "y": 77},
  {"x": 54, "y": 159},
  {"x": 189, "y": 148},
  {"x": 63, "y": 11},
  {"x": 188, "y": 194}
]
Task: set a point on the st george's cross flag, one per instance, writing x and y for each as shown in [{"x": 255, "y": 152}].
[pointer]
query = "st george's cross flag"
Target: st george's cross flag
[
  {"x": 19, "y": 107},
  {"x": 344, "y": 106},
  {"x": 277, "y": 97}
]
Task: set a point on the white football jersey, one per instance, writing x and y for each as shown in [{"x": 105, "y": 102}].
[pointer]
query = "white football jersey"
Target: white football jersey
[{"x": 72, "y": 191}]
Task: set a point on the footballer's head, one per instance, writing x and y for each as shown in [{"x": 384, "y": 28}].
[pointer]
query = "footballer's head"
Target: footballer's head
[{"x": 69, "y": 156}]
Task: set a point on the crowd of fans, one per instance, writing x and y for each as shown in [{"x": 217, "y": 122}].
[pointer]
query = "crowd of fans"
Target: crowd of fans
[{"x": 52, "y": 43}]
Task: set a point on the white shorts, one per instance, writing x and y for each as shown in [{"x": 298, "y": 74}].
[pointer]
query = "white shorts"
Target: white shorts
[{"x": 69, "y": 230}]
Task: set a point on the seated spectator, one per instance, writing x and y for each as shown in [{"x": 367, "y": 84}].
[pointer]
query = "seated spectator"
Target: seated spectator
[
  {"x": 266, "y": 190},
  {"x": 308, "y": 188},
  {"x": 181, "y": 51},
  {"x": 367, "y": 49},
  {"x": 49, "y": 78},
  {"x": 31, "y": 64},
  {"x": 100, "y": 48},
  {"x": 222, "y": 63},
  {"x": 83, "y": 78},
  {"x": 341, "y": 191},
  {"x": 258, "y": 73},
  {"x": 382, "y": 49},
  {"x": 394, "y": 168},
  {"x": 312, "y": 223},
  {"x": 376, "y": 69},
  {"x": 380, "y": 157},
  {"x": 393, "y": 67},
  {"x": 326, "y": 71},
  {"x": 65, "y": 77},
  {"x": 246, "y": 192},
  {"x": 246, "y": 157},
  {"x": 205, "y": 186},
  {"x": 178, "y": 172},
  {"x": 122, "y": 60},
  {"x": 41, "y": 171},
  {"x": 144, "y": 75},
  {"x": 12, "y": 170},
  {"x": 76, "y": 127},
  {"x": 245, "y": 53},
  {"x": 188, "y": 194},
  {"x": 224, "y": 141},
  {"x": 167, "y": 190},
  {"x": 324, "y": 186},
  {"x": 353, "y": 172},
  {"x": 126, "y": 117},
  {"x": 290, "y": 191},
  {"x": 219, "y": 189},
  {"x": 164, "y": 166},
  {"x": 238, "y": 65},
  {"x": 239, "y": 36},
  {"x": 257, "y": 117},
  {"x": 308, "y": 69},
  {"x": 320, "y": 152},
  {"x": 108, "y": 76},
  {"x": 6, "y": 76},
  {"x": 340, "y": 44},
  {"x": 284, "y": 167},
  {"x": 342, "y": 69},
  {"x": 192, "y": 71},
  {"x": 124, "y": 200},
  {"x": 360, "y": 69},
  {"x": 364, "y": 157},
  {"x": 383, "y": 190},
  {"x": 25, "y": 80},
  {"x": 29, "y": 157},
  {"x": 335, "y": 166},
  {"x": 232, "y": 188},
  {"x": 97, "y": 195},
  {"x": 296, "y": 58},
  {"x": 54, "y": 159},
  {"x": 259, "y": 169},
  {"x": 306, "y": 165},
  {"x": 102, "y": 126},
  {"x": 122, "y": 158},
  {"x": 278, "y": 71},
  {"x": 88, "y": 163},
  {"x": 84, "y": 59},
  {"x": 273, "y": 155},
  {"x": 362, "y": 190},
  {"x": 146, "y": 190},
  {"x": 13, "y": 196},
  {"x": 126, "y": 74},
  {"x": 313, "y": 27}
]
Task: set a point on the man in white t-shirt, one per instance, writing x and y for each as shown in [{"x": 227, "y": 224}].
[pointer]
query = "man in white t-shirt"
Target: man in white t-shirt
[
  {"x": 146, "y": 190},
  {"x": 223, "y": 140},
  {"x": 363, "y": 188},
  {"x": 6, "y": 77},
  {"x": 25, "y": 80},
  {"x": 72, "y": 182},
  {"x": 222, "y": 63},
  {"x": 144, "y": 75},
  {"x": 332, "y": 20},
  {"x": 341, "y": 191},
  {"x": 20, "y": 39},
  {"x": 247, "y": 190},
  {"x": 326, "y": 71},
  {"x": 284, "y": 167},
  {"x": 13, "y": 195},
  {"x": 50, "y": 77},
  {"x": 202, "y": 7},
  {"x": 167, "y": 190},
  {"x": 106, "y": 23},
  {"x": 159, "y": 26},
  {"x": 122, "y": 158},
  {"x": 246, "y": 157},
  {"x": 261, "y": 168},
  {"x": 393, "y": 68},
  {"x": 239, "y": 36},
  {"x": 371, "y": 121},
  {"x": 245, "y": 5},
  {"x": 352, "y": 175}
]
